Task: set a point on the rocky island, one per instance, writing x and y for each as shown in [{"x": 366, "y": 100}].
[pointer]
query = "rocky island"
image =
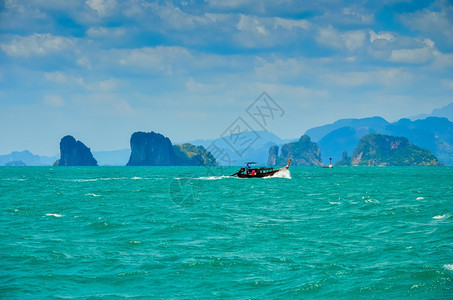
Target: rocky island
[
  {"x": 385, "y": 150},
  {"x": 74, "y": 153},
  {"x": 154, "y": 149},
  {"x": 303, "y": 153}
]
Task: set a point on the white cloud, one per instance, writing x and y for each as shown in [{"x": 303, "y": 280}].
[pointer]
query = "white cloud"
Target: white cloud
[
  {"x": 251, "y": 24},
  {"x": 61, "y": 78},
  {"x": 105, "y": 32},
  {"x": 102, "y": 7},
  {"x": 84, "y": 62},
  {"x": 381, "y": 36},
  {"x": 56, "y": 77},
  {"x": 354, "y": 40},
  {"x": 36, "y": 44},
  {"x": 54, "y": 101},
  {"x": 292, "y": 92},
  {"x": 412, "y": 56},
  {"x": 159, "y": 59},
  {"x": 351, "y": 40},
  {"x": 390, "y": 77},
  {"x": 280, "y": 69},
  {"x": 435, "y": 21},
  {"x": 357, "y": 15},
  {"x": 290, "y": 24}
]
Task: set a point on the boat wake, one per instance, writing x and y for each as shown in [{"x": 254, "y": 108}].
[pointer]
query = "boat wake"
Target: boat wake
[
  {"x": 282, "y": 174},
  {"x": 213, "y": 177}
]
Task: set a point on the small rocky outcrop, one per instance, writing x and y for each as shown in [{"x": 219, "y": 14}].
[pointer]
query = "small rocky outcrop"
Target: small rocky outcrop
[
  {"x": 154, "y": 149},
  {"x": 385, "y": 150},
  {"x": 75, "y": 153},
  {"x": 345, "y": 161},
  {"x": 303, "y": 153},
  {"x": 191, "y": 155},
  {"x": 273, "y": 156}
]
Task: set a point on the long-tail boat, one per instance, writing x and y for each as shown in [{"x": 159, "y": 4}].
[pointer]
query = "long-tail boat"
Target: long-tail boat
[{"x": 258, "y": 172}]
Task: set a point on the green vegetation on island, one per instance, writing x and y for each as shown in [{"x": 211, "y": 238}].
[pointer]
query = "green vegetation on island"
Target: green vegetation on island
[
  {"x": 191, "y": 155},
  {"x": 384, "y": 150}
]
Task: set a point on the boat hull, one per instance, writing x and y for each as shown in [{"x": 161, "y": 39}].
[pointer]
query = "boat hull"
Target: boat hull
[{"x": 260, "y": 175}]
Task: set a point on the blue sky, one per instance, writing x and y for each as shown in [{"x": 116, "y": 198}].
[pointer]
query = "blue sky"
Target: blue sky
[{"x": 102, "y": 69}]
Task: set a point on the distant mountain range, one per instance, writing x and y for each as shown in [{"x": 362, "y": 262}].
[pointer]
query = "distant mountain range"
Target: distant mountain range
[
  {"x": 384, "y": 150},
  {"x": 27, "y": 158},
  {"x": 433, "y": 133},
  {"x": 238, "y": 149},
  {"x": 443, "y": 112}
]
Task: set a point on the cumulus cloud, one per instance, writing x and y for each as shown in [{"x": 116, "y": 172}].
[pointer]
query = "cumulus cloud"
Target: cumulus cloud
[
  {"x": 290, "y": 24},
  {"x": 435, "y": 21},
  {"x": 36, "y": 45},
  {"x": 412, "y": 56},
  {"x": 252, "y": 25},
  {"x": 55, "y": 101},
  {"x": 383, "y": 77},
  {"x": 158, "y": 59},
  {"x": 388, "y": 36},
  {"x": 350, "y": 40},
  {"x": 102, "y": 7},
  {"x": 105, "y": 32}
]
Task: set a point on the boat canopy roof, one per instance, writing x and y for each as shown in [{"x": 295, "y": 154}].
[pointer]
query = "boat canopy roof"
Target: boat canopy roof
[{"x": 251, "y": 163}]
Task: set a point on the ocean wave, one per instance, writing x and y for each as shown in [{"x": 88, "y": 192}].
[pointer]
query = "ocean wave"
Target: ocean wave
[
  {"x": 440, "y": 217},
  {"x": 282, "y": 174},
  {"x": 54, "y": 215},
  {"x": 93, "y": 195},
  {"x": 213, "y": 177}
]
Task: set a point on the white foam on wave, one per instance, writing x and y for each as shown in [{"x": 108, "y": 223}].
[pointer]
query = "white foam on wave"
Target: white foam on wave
[
  {"x": 83, "y": 180},
  {"x": 54, "y": 215},
  {"x": 333, "y": 202},
  {"x": 439, "y": 217},
  {"x": 213, "y": 177},
  {"x": 420, "y": 198},
  {"x": 285, "y": 173},
  {"x": 93, "y": 195},
  {"x": 449, "y": 267}
]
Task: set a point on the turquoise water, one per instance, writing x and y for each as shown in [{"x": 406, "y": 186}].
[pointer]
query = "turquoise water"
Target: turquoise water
[{"x": 185, "y": 232}]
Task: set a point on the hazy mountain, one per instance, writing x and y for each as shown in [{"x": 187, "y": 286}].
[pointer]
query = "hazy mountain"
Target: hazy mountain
[
  {"x": 238, "y": 149},
  {"x": 443, "y": 112},
  {"x": 434, "y": 134},
  {"x": 27, "y": 158},
  {"x": 366, "y": 125}
]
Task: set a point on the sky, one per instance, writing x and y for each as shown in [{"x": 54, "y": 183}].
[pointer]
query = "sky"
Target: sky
[{"x": 103, "y": 69}]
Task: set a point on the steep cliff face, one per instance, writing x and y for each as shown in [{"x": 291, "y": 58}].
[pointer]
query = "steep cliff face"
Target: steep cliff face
[
  {"x": 151, "y": 149},
  {"x": 75, "y": 153},
  {"x": 273, "y": 156},
  {"x": 303, "y": 153},
  {"x": 154, "y": 149},
  {"x": 384, "y": 150}
]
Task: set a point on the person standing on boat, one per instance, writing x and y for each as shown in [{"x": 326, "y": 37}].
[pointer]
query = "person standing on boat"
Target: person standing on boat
[{"x": 248, "y": 168}]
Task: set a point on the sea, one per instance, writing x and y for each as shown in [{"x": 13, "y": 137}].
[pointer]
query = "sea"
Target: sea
[{"x": 198, "y": 233}]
